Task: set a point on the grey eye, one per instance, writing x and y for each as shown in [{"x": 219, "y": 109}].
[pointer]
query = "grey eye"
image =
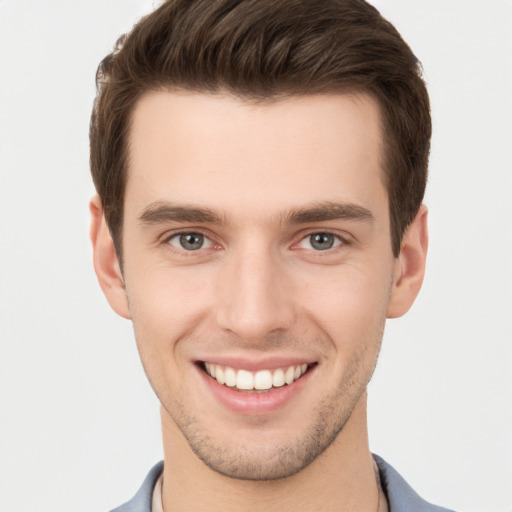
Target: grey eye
[
  {"x": 320, "y": 241},
  {"x": 190, "y": 241}
]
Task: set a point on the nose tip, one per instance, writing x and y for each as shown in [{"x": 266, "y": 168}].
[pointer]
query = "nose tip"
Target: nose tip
[
  {"x": 254, "y": 299},
  {"x": 253, "y": 325}
]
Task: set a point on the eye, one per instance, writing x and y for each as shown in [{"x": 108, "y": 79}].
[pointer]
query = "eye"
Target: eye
[
  {"x": 190, "y": 241},
  {"x": 320, "y": 241}
]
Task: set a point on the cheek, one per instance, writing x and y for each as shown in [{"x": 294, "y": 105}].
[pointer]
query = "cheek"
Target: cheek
[
  {"x": 161, "y": 292},
  {"x": 166, "y": 304},
  {"x": 350, "y": 305},
  {"x": 163, "y": 310}
]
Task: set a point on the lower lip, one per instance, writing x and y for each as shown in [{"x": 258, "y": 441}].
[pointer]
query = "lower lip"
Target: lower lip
[{"x": 257, "y": 403}]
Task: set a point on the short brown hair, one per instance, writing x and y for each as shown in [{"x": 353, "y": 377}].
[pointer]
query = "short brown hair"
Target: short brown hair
[{"x": 262, "y": 50}]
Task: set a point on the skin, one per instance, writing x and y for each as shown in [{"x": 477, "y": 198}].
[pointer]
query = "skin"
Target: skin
[{"x": 258, "y": 291}]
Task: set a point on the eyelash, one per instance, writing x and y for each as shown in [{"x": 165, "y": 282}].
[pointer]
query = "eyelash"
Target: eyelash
[
  {"x": 339, "y": 241},
  {"x": 342, "y": 241},
  {"x": 182, "y": 251}
]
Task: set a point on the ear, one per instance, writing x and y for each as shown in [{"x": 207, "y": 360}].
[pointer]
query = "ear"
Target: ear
[
  {"x": 409, "y": 266},
  {"x": 106, "y": 263}
]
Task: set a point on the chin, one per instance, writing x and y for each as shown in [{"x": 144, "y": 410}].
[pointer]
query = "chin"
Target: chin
[{"x": 260, "y": 454}]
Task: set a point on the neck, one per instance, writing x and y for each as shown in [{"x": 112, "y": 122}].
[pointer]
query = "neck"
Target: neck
[{"x": 341, "y": 478}]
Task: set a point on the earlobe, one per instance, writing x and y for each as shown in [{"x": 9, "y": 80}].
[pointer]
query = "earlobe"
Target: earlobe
[
  {"x": 410, "y": 266},
  {"x": 106, "y": 263}
]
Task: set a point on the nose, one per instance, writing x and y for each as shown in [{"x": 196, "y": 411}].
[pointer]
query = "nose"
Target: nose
[{"x": 254, "y": 295}]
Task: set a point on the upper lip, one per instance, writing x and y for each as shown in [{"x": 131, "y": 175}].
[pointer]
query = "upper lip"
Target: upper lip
[{"x": 256, "y": 364}]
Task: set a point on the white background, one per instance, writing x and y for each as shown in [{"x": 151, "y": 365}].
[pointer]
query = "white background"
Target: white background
[{"x": 79, "y": 426}]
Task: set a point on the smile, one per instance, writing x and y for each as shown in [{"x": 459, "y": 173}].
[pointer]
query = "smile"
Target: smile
[{"x": 262, "y": 380}]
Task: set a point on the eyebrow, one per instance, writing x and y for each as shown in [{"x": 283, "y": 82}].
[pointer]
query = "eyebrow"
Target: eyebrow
[
  {"x": 326, "y": 211},
  {"x": 161, "y": 212}
]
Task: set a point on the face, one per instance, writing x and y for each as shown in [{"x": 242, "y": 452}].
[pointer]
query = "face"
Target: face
[{"x": 258, "y": 270}]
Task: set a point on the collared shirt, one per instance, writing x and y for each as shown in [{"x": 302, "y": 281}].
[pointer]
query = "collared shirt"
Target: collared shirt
[
  {"x": 398, "y": 495},
  {"x": 157, "y": 504}
]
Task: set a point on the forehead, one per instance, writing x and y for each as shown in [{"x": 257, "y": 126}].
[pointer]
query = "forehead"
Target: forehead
[{"x": 226, "y": 153}]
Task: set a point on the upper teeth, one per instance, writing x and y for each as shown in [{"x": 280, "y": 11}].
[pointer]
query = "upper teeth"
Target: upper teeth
[{"x": 262, "y": 379}]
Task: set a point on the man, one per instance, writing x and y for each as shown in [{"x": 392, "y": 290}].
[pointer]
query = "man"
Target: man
[{"x": 260, "y": 169}]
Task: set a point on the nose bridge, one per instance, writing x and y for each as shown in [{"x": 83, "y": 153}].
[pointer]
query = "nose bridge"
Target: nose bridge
[{"x": 253, "y": 298}]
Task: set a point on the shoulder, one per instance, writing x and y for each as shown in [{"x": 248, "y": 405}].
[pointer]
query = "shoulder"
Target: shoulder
[
  {"x": 141, "y": 502},
  {"x": 401, "y": 496}
]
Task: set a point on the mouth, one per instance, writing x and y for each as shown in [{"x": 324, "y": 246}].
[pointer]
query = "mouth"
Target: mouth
[{"x": 261, "y": 381}]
